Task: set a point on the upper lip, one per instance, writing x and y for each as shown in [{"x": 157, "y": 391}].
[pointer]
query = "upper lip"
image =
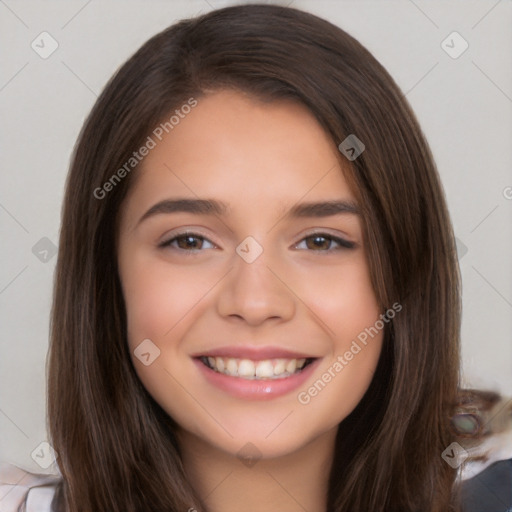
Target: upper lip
[{"x": 254, "y": 353}]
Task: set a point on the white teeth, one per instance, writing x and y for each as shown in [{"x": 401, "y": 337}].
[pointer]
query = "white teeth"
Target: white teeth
[
  {"x": 219, "y": 363},
  {"x": 232, "y": 368},
  {"x": 248, "y": 369},
  {"x": 279, "y": 366},
  {"x": 265, "y": 369},
  {"x": 291, "y": 366}
]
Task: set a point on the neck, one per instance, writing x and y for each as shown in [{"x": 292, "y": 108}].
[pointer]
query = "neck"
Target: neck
[{"x": 292, "y": 483}]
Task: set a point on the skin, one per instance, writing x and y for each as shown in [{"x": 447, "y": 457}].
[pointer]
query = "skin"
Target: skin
[{"x": 261, "y": 159}]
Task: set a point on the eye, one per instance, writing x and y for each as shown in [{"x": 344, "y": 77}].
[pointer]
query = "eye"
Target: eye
[
  {"x": 319, "y": 242},
  {"x": 322, "y": 242},
  {"x": 187, "y": 242}
]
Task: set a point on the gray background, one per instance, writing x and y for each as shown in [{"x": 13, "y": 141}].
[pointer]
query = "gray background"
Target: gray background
[{"x": 464, "y": 106}]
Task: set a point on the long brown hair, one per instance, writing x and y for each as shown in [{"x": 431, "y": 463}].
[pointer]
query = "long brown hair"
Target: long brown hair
[{"x": 117, "y": 449}]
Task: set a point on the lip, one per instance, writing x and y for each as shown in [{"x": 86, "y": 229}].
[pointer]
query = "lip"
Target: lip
[
  {"x": 254, "y": 353},
  {"x": 265, "y": 389}
]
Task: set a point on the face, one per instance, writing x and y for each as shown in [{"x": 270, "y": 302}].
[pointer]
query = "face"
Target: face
[{"x": 245, "y": 279}]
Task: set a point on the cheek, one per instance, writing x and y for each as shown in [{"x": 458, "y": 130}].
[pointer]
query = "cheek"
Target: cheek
[
  {"x": 158, "y": 297},
  {"x": 160, "y": 300},
  {"x": 343, "y": 298},
  {"x": 345, "y": 302}
]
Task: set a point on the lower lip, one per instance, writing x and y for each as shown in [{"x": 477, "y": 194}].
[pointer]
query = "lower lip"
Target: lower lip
[{"x": 256, "y": 389}]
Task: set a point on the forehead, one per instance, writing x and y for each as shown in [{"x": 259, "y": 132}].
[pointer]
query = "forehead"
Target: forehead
[{"x": 244, "y": 152}]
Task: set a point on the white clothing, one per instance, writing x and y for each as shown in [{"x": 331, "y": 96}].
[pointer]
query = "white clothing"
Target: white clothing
[{"x": 22, "y": 491}]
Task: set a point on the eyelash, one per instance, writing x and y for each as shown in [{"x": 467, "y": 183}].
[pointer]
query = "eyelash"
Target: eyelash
[{"x": 343, "y": 244}]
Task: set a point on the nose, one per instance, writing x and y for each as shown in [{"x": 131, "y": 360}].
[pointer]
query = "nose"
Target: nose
[{"x": 256, "y": 293}]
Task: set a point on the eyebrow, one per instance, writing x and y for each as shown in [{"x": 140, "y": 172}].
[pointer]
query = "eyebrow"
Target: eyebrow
[
  {"x": 323, "y": 209},
  {"x": 214, "y": 207},
  {"x": 196, "y": 206}
]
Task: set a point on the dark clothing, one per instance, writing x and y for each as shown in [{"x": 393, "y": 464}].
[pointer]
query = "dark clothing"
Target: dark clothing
[{"x": 490, "y": 490}]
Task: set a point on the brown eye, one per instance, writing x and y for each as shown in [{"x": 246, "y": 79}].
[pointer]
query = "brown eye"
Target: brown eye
[
  {"x": 318, "y": 242},
  {"x": 322, "y": 242},
  {"x": 187, "y": 242}
]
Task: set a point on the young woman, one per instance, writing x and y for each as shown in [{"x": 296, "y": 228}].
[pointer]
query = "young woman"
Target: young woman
[{"x": 257, "y": 301}]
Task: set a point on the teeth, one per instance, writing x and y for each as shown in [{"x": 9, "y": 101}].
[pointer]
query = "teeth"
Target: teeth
[
  {"x": 248, "y": 369},
  {"x": 291, "y": 366},
  {"x": 219, "y": 363},
  {"x": 232, "y": 367},
  {"x": 280, "y": 366},
  {"x": 265, "y": 369}
]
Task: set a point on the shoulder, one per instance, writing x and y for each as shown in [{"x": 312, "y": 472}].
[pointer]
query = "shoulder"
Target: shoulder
[
  {"x": 490, "y": 490},
  {"x": 21, "y": 490},
  {"x": 486, "y": 474},
  {"x": 483, "y": 423}
]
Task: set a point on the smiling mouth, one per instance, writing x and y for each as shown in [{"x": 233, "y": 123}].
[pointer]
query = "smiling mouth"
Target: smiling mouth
[{"x": 267, "y": 369}]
